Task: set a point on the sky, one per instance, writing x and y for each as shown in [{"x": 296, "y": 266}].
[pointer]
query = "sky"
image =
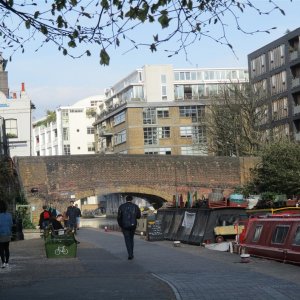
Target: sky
[{"x": 53, "y": 80}]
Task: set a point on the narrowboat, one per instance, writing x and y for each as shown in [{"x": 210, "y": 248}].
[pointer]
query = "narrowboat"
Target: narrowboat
[{"x": 274, "y": 237}]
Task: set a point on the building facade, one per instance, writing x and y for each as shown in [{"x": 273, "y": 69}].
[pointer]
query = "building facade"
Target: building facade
[
  {"x": 274, "y": 70},
  {"x": 160, "y": 110},
  {"x": 15, "y": 109},
  {"x": 3, "y": 140},
  {"x": 67, "y": 131}
]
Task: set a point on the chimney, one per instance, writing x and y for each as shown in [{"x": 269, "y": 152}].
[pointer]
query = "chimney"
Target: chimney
[{"x": 23, "y": 87}]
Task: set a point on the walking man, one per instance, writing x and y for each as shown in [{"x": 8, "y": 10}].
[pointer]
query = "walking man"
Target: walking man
[
  {"x": 128, "y": 213},
  {"x": 72, "y": 215}
]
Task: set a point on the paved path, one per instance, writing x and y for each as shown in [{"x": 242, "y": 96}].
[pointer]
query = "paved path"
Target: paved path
[{"x": 158, "y": 271}]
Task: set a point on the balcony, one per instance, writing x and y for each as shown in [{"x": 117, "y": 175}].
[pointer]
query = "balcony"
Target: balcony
[
  {"x": 105, "y": 132},
  {"x": 296, "y": 109},
  {"x": 294, "y": 55},
  {"x": 295, "y": 82}
]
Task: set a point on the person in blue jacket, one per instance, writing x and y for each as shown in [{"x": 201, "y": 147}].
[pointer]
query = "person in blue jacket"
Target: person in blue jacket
[{"x": 6, "y": 223}]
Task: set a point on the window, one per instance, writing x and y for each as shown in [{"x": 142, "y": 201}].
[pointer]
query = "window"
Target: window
[
  {"x": 119, "y": 118},
  {"x": 11, "y": 127},
  {"x": 186, "y": 131},
  {"x": 150, "y": 136},
  {"x": 164, "y": 132},
  {"x": 193, "y": 150},
  {"x": 257, "y": 233},
  {"x": 164, "y": 92},
  {"x": 163, "y": 78},
  {"x": 161, "y": 151},
  {"x": 65, "y": 134},
  {"x": 91, "y": 147},
  {"x": 163, "y": 112},
  {"x": 55, "y": 133},
  {"x": 279, "y": 234},
  {"x": 297, "y": 237},
  {"x": 199, "y": 134},
  {"x": 67, "y": 150},
  {"x": 149, "y": 115},
  {"x": 120, "y": 137},
  {"x": 76, "y": 110},
  {"x": 90, "y": 130}
]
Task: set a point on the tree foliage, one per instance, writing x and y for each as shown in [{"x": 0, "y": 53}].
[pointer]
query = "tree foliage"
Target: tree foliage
[
  {"x": 71, "y": 24},
  {"x": 232, "y": 122},
  {"x": 279, "y": 170}
]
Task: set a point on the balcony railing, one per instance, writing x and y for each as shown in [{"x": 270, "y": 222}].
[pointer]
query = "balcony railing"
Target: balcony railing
[
  {"x": 294, "y": 55},
  {"x": 105, "y": 132},
  {"x": 295, "y": 82},
  {"x": 296, "y": 109}
]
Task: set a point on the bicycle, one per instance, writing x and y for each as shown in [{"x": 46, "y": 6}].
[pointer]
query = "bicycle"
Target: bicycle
[{"x": 61, "y": 250}]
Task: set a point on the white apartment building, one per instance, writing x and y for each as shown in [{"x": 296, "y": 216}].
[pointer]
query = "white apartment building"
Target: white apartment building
[{"x": 67, "y": 131}]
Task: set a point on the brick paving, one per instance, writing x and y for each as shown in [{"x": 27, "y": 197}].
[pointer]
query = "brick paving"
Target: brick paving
[{"x": 158, "y": 271}]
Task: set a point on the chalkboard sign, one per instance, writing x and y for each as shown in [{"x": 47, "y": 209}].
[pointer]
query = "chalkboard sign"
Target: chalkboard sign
[{"x": 154, "y": 231}]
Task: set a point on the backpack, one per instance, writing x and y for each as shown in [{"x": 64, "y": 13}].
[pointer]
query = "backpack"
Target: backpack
[
  {"x": 46, "y": 215},
  {"x": 129, "y": 217}
]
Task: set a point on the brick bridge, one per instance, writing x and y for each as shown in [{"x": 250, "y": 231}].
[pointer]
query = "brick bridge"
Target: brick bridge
[{"x": 56, "y": 178}]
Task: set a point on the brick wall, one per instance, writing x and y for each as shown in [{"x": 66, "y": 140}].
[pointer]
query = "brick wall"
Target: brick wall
[{"x": 56, "y": 178}]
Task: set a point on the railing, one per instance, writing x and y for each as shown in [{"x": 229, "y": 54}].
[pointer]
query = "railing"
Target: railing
[
  {"x": 295, "y": 82},
  {"x": 105, "y": 132},
  {"x": 296, "y": 109},
  {"x": 294, "y": 55}
]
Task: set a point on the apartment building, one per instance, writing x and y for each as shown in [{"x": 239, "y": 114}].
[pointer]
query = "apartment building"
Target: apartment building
[
  {"x": 15, "y": 109},
  {"x": 3, "y": 140},
  {"x": 274, "y": 70},
  {"x": 68, "y": 130},
  {"x": 160, "y": 110}
]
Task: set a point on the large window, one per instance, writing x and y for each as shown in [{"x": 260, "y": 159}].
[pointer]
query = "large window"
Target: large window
[
  {"x": 119, "y": 118},
  {"x": 195, "y": 112},
  {"x": 149, "y": 115},
  {"x": 279, "y": 234},
  {"x": 120, "y": 137},
  {"x": 11, "y": 127},
  {"x": 150, "y": 136}
]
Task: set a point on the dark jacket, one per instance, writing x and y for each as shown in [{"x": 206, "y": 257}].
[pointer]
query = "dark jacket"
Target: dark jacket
[
  {"x": 56, "y": 224},
  {"x": 128, "y": 213},
  {"x": 72, "y": 213}
]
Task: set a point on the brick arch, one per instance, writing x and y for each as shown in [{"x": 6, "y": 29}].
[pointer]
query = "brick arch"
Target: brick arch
[{"x": 59, "y": 177}]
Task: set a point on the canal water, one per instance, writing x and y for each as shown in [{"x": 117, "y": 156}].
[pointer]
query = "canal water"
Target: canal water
[{"x": 100, "y": 222}]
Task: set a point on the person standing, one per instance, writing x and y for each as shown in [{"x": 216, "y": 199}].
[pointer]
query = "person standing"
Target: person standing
[
  {"x": 72, "y": 215},
  {"x": 6, "y": 223},
  {"x": 78, "y": 216},
  {"x": 128, "y": 213}
]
